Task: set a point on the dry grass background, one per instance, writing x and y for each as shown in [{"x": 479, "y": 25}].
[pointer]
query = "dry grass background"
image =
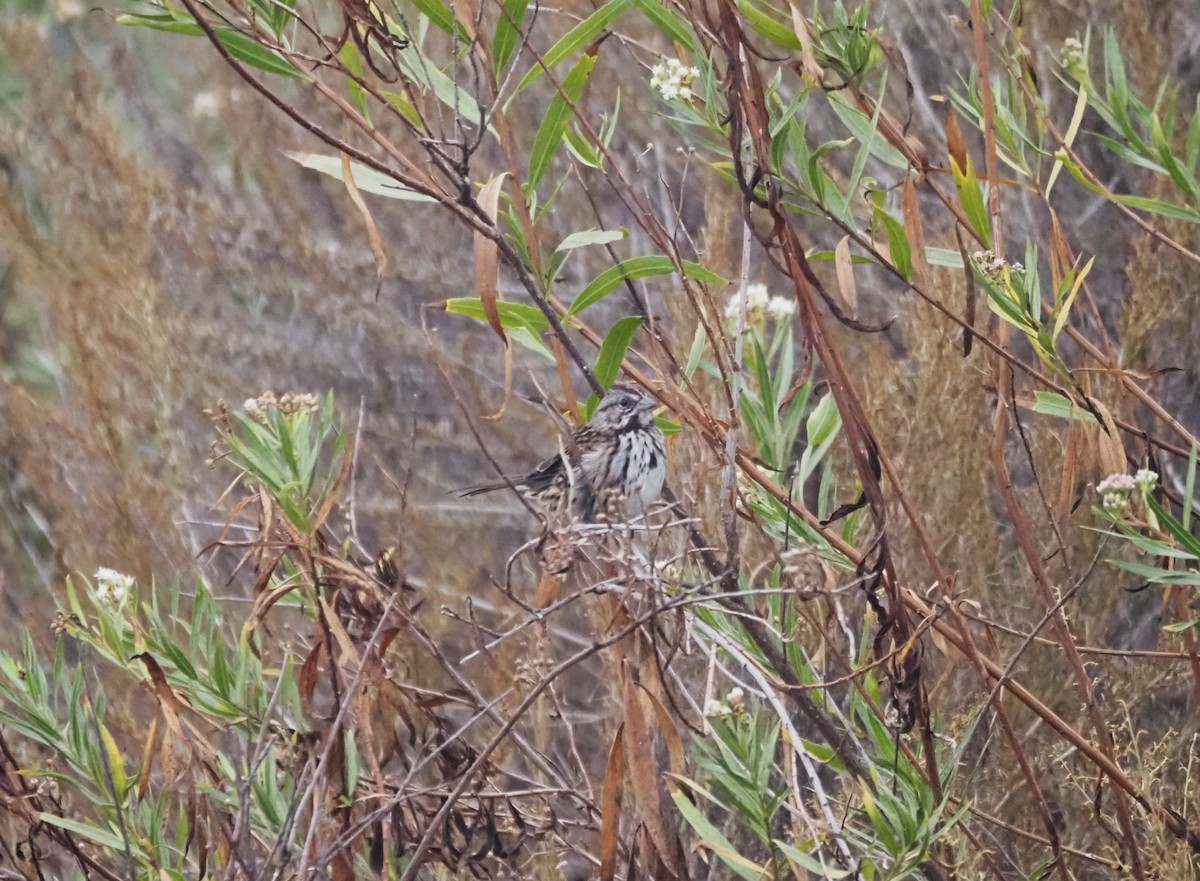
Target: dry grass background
[{"x": 158, "y": 253}]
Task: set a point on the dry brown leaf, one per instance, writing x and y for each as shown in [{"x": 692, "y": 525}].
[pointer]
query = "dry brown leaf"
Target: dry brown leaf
[
  {"x": 308, "y": 675},
  {"x": 372, "y": 230},
  {"x": 644, "y": 775},
  {"x": 548, "y": 590},
  {"x": 845, "y": 274},
  {"x": 169, "y": 703},
  {"x": 808, "y": 59},
  {"x": 676, "y": 756},
  {"x": 1067, "y": 486},
  {"x": 487, "y": 265},
  {"x": 487, "y": 278},
  {"x": 955, "y": 145},
  {"x": 466, "y": 12},
  {"x": 610, "y": 806},
  {"x": 148, "y": 758},
  {"x": 1109, "y": 449},
  {"x": 915, "y": 232}
]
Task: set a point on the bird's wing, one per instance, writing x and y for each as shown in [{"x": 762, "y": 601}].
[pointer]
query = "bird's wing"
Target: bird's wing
[{"x": 545, "y": 475}]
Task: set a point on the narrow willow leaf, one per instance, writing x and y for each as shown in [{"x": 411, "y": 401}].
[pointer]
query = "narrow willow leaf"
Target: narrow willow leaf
[
  {"x": 511, "y": 314},
  {"x": 550, "y": 132},
  {"x": 574, "y": 40},
  {"x": 1054, "y": 404},
  {"x": 508, "y": 32},
  {"x": 612, "y": 352},
  {"x": 632, "y": 270},
  {"x": 241, "y": 47},
  {"x": 811, "y": 864},
  {"x": 442, "y": 17},
  {"x": 353, "y": 60},
  {"x": 1081, "y": 103},
  {"x": 443, "y": 87},
  {"x": 712, "y": 838},
  {"x": 947, "y": 257},
  {"x": 1064, "y": 309},
  {"x": 824, "y": 421},
  {"x": 103, "y": 837},
  {"x": 970, "y": 194},
  {"x": 775, "y": 31},
  {"x": 669, "y": 22},
  {"x": 368, "y": 180},
  {"x": 898, "y": 245},
  {"x": 1156, "y": 574},
  {"x": 591, "y": 237},
  {"x": 864, "y": 131}
]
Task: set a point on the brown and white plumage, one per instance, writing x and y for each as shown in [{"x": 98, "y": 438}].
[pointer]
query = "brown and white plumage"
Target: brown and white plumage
[{"x": 620, "y": 451}]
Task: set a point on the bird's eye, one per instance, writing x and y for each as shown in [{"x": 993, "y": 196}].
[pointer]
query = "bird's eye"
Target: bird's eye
[{"x": 626, "y": 403}]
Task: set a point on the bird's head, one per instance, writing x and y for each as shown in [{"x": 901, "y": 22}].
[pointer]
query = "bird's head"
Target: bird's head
[{"x": 624, "y": 406}]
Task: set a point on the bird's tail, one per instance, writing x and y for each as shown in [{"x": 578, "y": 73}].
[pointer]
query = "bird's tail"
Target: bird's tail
[{"x": 476, "y": 489}]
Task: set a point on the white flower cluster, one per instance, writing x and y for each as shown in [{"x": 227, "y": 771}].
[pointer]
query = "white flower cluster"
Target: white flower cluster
[
  {"x": 993, "y": 266},
  {"x": 734, "y": 703},
  {"x": 287, "y": 404},
  {"x": 673, "y": 79},
  {"x": 1072, "y": 58},
  {"x": 759, "y": 304},
  {"x": 112, "y": 587},
  {"x": 1116, "y": 489}
]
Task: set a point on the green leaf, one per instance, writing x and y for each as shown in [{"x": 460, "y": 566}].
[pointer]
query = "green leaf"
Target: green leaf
[
  {"x": 1158, "y": 575},
  {"x": 824, "y": 421},
  {"x": 1054, "y": 404},
  {"x": 574, "y": 40},
  {"x": 947, "y": 257},
  {"x": 970, "y": 194},
  {"x": 713, "y": 839},
  {"x": 778, "y": 33},
  {"x": 401, "y": 103},
  {"x": 810, "y": 863},
  {"x": 103, "y": 837},
  {"x": 898, "y": 244},
  {"x": 353, "y": 60},
  {"x": 697, "y": 350},
  {"x": 442, "y": 17},
  {"x": 550, "y": 132},
  {"x": 612, "y": 352},
  {"x": 116, "y": 762},
  {"x": 633, "y": 269},
  {"x": 591, "y": 237},
  {"x": 669, "y": 23},
  {"x": 508, "y": 32},
  {"x": 512, "y": 315},
  {"x": 236, "y": 43},
  {"x": 1186, "y": 540},
  {"x": 864, "y": 130},
  {"x": 1157, "y": 206},
  {"x": 1064, "y": 309},
  {"x": 459, "y": 101},
  {"x": 368, "y": 180}
]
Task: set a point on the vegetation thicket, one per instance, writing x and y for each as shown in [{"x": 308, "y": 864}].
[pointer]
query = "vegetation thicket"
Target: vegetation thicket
[{"x": 919, "y": 600}]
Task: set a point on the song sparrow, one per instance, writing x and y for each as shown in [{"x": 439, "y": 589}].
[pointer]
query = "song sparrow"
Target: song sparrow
[{"x": 619, "y": 454}]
